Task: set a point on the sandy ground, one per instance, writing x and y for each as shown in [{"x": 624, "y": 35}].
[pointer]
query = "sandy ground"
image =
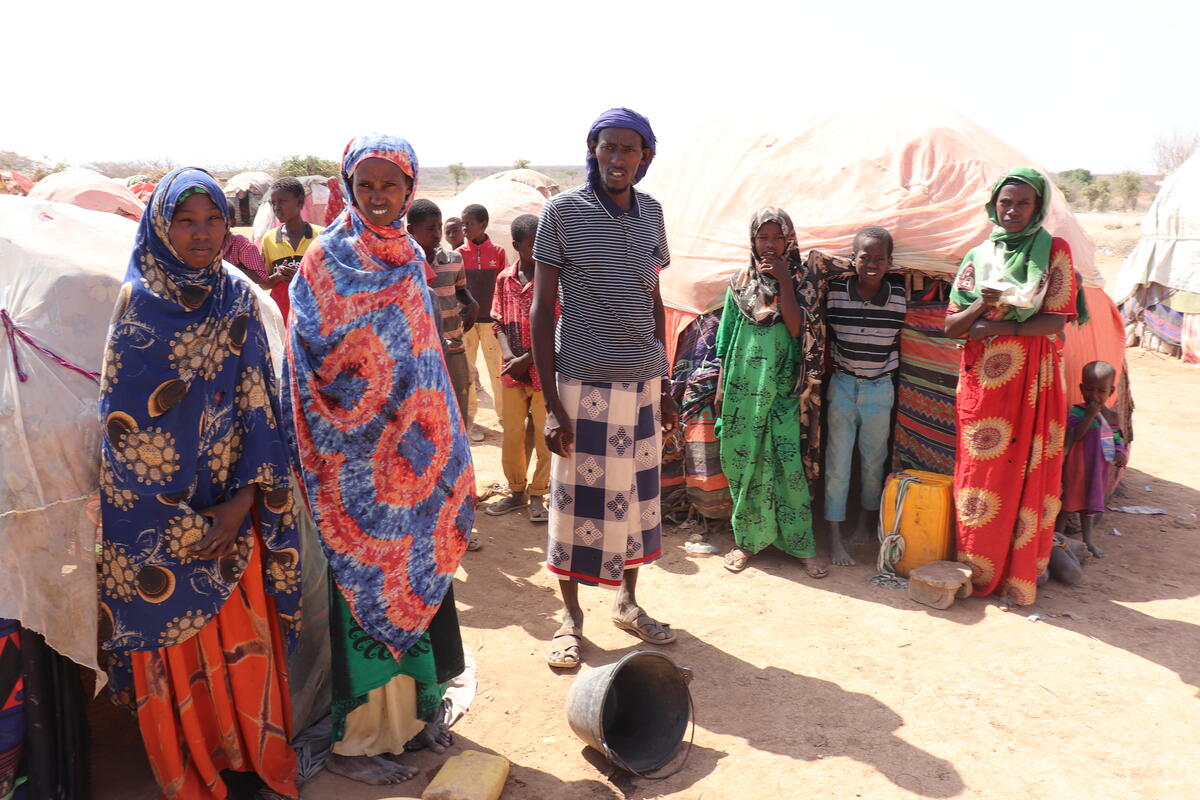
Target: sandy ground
[{"x": 838, "y": 689}]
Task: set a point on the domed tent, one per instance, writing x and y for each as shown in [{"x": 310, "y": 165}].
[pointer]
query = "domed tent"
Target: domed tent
[
  {"x": 923, "y": 173},
  {"x": 245, "y": 191},
  {"x": 1158, "y": 286},
  {"x": 505, "y": 201},
  {"x": 530, "y": 177},
  {"x": 91, "y": 190}
]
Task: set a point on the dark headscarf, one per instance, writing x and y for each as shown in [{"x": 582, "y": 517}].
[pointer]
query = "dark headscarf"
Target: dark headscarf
[
  {"x": 757, "y": 294},
  {"x": 621, "y": 118}
]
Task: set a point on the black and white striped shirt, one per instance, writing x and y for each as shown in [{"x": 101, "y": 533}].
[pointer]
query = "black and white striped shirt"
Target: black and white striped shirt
[
  {"x": 608, "y": 261},
  {"x": 865, "y": 333}
]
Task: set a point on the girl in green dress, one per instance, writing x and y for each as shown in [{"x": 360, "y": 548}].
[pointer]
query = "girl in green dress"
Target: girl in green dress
[{"x": 770, "y": 345}]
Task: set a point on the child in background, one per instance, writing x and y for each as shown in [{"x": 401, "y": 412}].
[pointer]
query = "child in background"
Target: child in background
[
  {"x": 454, "y": 233},
  {"x": 483, "y": 260},
  {"x": 522, "y": 388},
  {"x": 284, "y": 247},
  {"x": 864, "y": 313},
  {"x": 1095, "y": 448},
  {"x": 241, "y": 253},
  {"x": 455, "y": 308}
]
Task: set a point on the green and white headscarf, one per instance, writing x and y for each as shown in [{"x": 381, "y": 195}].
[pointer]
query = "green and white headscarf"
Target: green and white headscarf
[{"x": 1021, "y": 259}]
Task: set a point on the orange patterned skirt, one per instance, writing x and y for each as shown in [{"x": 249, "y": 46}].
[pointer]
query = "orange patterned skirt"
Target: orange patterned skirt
[{"x": 219, "y": 701}]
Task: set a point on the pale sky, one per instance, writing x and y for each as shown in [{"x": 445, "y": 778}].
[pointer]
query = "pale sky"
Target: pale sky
[{"x": 1070, "y": 84}]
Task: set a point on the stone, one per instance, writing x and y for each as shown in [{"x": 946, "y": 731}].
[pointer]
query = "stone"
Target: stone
[{"x": 938, "y": 583}]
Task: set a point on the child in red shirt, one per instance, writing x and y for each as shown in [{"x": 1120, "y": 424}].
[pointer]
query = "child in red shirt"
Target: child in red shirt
[
  {"x": 521, "y": 387},
  {"x": 483, "y": 260}
]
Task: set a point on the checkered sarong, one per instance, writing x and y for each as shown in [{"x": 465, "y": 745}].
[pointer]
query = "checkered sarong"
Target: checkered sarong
[{"x": 604, "y": 497}]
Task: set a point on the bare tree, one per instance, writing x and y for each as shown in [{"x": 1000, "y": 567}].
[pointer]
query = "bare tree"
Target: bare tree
[{"x": 1172, "y": 150}]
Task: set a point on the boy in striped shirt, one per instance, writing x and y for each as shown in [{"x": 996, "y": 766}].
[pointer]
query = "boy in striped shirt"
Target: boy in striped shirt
[{"x": 864, "y": 313}]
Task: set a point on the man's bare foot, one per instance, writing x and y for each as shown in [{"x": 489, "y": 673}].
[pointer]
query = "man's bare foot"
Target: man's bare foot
[
  {"x": 837, "y": 550},
  {"x": 372, "y": 770},
  {"x": 1095, "y": 550},
  {"x": 866, "y": 529}
]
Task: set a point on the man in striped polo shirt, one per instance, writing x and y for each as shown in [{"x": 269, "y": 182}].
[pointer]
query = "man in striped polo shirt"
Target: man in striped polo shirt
[
  {"x": 864, "y": 314},
  {"x": 599, "y": 249}
]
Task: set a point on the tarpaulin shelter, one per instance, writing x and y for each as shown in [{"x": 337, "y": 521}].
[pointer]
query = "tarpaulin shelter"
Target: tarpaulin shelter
[
  {"x": 143, "y": 189},
  {"x": 530, "y": 177},
  {"x": 91, "y": 190},
  {"x": 13, "y": 182},
  {"x": 61, "y": 268},
  {"x": 1158, "y": 286},
  {"x": 245, "y": 191},
  {"x": 924, "y": 173}
]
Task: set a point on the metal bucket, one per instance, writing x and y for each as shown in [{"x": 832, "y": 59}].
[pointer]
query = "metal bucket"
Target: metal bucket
[{"x": 635, "y": 711}]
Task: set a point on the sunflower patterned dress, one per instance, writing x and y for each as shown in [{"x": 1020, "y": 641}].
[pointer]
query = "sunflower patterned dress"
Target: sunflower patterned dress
[{"x": 1011, "y": 412}]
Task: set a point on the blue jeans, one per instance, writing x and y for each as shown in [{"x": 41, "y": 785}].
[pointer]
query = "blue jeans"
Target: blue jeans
[{"x": 862, "y": 407}]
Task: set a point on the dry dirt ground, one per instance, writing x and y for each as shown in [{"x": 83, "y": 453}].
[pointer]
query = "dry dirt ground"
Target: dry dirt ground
[{"x": 838, "y": 689}]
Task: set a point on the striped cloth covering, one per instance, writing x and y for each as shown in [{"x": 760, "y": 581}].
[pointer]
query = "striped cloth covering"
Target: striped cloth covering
[
  {"x": 925, "y": 431},
  {"x": 1165, "y": 323},
  {"x": 707, "y": 486}
]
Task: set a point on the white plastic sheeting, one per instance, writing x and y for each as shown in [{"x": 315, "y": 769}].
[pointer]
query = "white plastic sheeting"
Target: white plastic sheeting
[
  {"x": 60, "y": 270},
  {"x": 1169, "y": 251}
]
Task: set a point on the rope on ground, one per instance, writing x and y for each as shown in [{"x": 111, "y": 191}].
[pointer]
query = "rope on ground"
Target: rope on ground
[{"x": 891, "y": 545}]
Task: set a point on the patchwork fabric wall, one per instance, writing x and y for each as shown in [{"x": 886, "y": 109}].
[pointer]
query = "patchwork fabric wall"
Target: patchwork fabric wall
[{"x": 925, "y": 433}]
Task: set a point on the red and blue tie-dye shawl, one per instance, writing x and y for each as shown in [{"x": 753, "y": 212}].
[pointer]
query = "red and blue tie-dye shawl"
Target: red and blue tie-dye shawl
[{"x": 384, "y": 454}]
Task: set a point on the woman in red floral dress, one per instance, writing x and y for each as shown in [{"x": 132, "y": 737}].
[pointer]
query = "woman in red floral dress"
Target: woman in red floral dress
[{"x": 1011, "y": 300}]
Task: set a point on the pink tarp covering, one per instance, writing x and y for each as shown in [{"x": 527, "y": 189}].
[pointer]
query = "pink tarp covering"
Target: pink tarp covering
[
  {"x": 1191, "y": 338},
  {"x": 13, "y": 182},
  {"x": 921, "y": 172},
  {"x": 90, "y": 190}
]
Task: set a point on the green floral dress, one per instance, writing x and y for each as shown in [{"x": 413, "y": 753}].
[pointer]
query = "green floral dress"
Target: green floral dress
[{"x": 762, "y": 452}]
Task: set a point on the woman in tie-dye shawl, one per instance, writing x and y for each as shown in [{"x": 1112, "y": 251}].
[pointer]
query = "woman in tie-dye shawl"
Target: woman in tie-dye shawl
[
  {"x": 384, "y": 455},
  {"x": 200, "y": 562}
]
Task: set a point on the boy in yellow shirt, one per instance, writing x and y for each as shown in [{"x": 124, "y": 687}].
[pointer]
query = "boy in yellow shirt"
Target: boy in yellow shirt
[{"x": 284, "y": 247}]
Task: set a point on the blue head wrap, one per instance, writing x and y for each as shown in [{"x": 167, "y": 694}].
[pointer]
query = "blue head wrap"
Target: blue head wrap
[
  {"x": 621, "y": 118},
  {"x": 189, "y": 417}
]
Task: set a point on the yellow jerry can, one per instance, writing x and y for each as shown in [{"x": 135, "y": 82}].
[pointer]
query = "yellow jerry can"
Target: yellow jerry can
[
  {"x": 926, "y": 506},
  {"x": 471, "y": 775}
]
